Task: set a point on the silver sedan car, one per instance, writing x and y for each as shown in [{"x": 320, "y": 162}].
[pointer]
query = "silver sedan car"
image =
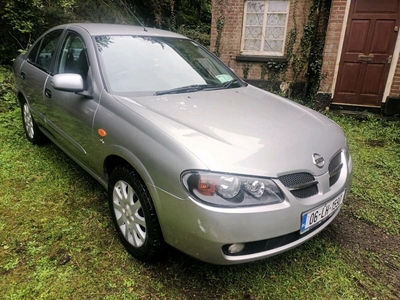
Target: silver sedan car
[{"x": 191, "y": 155}]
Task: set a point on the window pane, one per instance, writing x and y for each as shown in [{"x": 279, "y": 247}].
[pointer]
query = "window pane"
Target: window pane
[
  {"x": 33, "y": 53},
  {"x": 275, "y": 33},
  {"x": 73, "y": 57},
  {"x": 278, "y": 6},
  {"x": 255, "y": 6},
  {"x": 273, "y": 46},
  {"x": 276, "y": 20},
  {"x": 253, "y": 32},
  {"x": 252, "y": 45},
  {"x": 47, "y": 49},
  {"x": 254, "y": 19}
]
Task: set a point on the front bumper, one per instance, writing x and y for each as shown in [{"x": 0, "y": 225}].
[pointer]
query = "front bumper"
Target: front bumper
[{"x": 202, "y": 231}]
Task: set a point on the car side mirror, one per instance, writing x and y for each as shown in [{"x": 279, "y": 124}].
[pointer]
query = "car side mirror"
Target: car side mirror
[{"x": 68, "y": 82}]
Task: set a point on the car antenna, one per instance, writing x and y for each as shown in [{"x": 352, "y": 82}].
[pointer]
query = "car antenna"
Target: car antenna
[
  {"x": 137, "y": 19},
  {"x": 144, "y": 28}
]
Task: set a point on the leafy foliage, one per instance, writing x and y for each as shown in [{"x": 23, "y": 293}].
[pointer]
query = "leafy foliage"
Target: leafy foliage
[
  {"x": 7, "y": 96},
  {"x": 200, "y": 33},
  {"x": 22, "y": 21}
]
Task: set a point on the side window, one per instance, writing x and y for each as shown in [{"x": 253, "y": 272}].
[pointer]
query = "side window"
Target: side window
[
  {"x": 46, "y": 51},
  {"x": 73, "y": 57}
]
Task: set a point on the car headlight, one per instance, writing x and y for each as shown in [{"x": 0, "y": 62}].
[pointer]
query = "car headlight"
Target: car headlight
[{"x": 226, "y": 190}]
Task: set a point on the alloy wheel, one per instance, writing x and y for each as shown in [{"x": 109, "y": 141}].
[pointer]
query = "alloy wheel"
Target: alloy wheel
[{"x": 129, "y": 214}]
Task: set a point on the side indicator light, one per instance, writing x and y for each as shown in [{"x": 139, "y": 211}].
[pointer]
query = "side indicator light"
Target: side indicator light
[{"x": 101, "y": 132}]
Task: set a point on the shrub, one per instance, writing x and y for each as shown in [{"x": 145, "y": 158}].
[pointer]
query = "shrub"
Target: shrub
[{"x": 7, "y": 96}]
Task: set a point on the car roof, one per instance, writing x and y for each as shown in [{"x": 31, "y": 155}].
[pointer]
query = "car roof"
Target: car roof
[{"x": 96, "y": 29}]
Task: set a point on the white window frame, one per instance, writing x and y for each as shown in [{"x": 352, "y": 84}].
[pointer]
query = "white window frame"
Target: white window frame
[{"x": 261, "y": 52}]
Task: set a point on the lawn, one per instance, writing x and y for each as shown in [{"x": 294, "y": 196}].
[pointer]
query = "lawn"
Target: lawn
[{"x": 57, "y": 240}]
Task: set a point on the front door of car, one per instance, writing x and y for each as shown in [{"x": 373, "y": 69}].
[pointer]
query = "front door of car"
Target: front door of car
[{"x": 70, "y": 115}]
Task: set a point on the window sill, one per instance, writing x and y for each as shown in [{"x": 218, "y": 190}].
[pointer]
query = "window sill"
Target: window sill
[{"x": 260, "y": 58}]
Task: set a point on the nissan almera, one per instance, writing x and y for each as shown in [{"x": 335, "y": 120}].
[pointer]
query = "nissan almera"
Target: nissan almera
[{"x": 190, "y": 155}]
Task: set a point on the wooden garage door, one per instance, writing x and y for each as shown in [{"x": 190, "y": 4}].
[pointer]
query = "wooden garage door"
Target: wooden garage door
[{"x": 368, "y": 47}]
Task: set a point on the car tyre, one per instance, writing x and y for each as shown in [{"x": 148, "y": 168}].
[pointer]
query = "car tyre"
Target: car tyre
[
  {"x": 32, "y": 131},
  {"x": 134, "y": 215}
]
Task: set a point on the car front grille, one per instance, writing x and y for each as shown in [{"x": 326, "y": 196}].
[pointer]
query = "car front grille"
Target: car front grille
[
  {"x": 301, "y": 185},
  {"x": 335, "y": 167}
]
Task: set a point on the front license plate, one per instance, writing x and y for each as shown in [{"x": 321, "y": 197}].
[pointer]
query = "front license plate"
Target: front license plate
[{"x": 318, "y": 215}]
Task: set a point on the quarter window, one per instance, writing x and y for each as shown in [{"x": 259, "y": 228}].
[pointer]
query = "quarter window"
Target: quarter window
[
  {"x": 264, "y": 27},
  {"x": 33, "y": 53}
]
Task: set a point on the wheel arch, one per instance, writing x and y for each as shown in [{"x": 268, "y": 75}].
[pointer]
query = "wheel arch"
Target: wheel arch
[
  {"x": 113, "y": 160},
  {"x": 21, "y": 98}
]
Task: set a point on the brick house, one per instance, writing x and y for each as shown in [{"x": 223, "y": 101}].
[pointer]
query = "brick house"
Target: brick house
[{"x": 347, "y": 49}]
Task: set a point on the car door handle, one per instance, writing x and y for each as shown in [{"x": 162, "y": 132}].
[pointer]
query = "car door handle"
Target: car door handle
[
  {"x": 22, "y": 75},
  {"x": 47, "y": 93}
]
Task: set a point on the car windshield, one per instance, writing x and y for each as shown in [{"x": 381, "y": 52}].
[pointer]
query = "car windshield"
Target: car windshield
[{"x": 142, "y": 65}]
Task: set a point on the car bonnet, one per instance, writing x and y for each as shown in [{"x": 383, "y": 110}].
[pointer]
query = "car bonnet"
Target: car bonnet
[{"x": 244, "y": 130}]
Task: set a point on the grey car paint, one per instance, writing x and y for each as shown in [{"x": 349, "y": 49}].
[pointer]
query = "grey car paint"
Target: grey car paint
[{"x": 243, "y": 130}]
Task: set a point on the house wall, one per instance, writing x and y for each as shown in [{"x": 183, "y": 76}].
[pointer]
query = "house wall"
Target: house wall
[
  {"x": 231, "y": 13},
  {"x": 393, "y": 86},
  {"x": 333, "y": 44}
]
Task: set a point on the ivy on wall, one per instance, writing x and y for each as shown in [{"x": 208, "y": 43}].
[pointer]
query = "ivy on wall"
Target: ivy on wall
[
  {"x": 307, "y": 59},
  {"x": 220, "y": 22},
  {"x": 246, "y": 69},
  {"x": 315, "y": 58},
  {"x": 275, "y": 71}
]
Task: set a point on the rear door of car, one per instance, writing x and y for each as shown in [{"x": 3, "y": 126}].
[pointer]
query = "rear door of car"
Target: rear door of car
[
  {"x": 35, "y": 72},
  {"x": 70, "y": 115}
]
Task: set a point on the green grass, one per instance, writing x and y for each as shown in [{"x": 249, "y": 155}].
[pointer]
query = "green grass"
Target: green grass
[
  {"x": 57, "y": 240},
  {"x": 375, "y": 147}
]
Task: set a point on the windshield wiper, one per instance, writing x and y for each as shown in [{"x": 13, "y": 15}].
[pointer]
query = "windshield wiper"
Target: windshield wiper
[
  {"x": 198, "y": 87},
  {"x": 229, "y": 83},
  {"x": 185, "y": 89},
  {"x": 226, "y": 85}
]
